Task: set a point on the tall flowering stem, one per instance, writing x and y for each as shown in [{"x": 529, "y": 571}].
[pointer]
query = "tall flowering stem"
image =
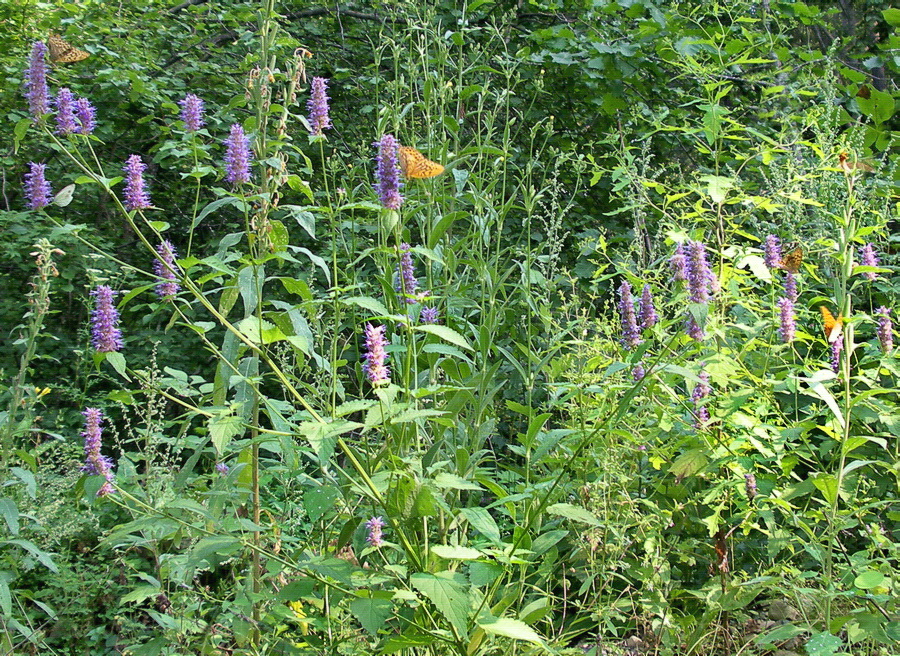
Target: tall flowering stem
[
  {"x": 885, "y": 330},
  {"x": 375, "y": 526},
  {"x": 237, "y": 156},
  {"x": 701, "y": 281},
  {"x": 772, "y": 251},
  {"x": 868, "y": 258},
  {"x": 37, "y": 189},
  {"x": 790, "y": 286},
  {"x": 387, "y": 173},
  {"x": 36, "y": 91},
  {"x": 318, "y": 106},
  {"x": 788, "y": 321},
  {"x": 631, "y": 334},
  {"x": 836, "y": 347},
  {"x": 678, "y": 263},
  {"x": 646, "y": 311},
  {"x": 701, "y": 390},
  {"x": 164, "y": 266},
  {"x": 65, "y": 112},
  {"x": 86, "y": 115},
  {"x": 136, "y": 195},
  {"x": 375, "y": 357},
  {"x": 407, "y": 283},
  {"x": 192, "y": 112},
  {"x": 105, "y": 334},
  {"x": 96, "y": 464}
]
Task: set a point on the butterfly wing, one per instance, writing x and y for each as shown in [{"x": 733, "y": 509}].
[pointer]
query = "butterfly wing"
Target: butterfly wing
[
  {"x": 833, "y": 327},
  {"x": 415, "y": 165},
  {"x": 792, "y": 261},
  {"x": 64, "y": 52}
]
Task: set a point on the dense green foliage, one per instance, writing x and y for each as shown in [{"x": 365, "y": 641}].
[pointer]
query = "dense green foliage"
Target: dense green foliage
[{"x": 723, "y": 480}]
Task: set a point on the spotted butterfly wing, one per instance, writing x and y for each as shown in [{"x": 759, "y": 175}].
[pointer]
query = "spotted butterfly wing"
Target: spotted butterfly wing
[
  {"x": 792, "y": 261},
  {"x": 833, "y": 327},
  {"x": 415, "y": 165},
  {"x": 64, "y": 52}
]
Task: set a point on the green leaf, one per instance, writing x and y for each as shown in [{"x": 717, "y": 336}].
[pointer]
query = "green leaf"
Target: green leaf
[
  {"x": 575, "y": 513},
  {"x": 446, "y": 334},
  {"x": 448, "y": 596},
  {"x": 373, "y": 305},
  {"x": 482, "y": 522},
  {"x": 10, "y": 513},
  {"x": 717, "y": 187},
  {"x": 222, "y": 428},
  {"x": 406, "y": 641},
  {"x": 304, "y": 218},
  {"x": 823, "y": 644},
  {"x": 827, "y": 485},
  {"x": 35, "y": 551},
  {"x": 510, "y": 628},
  {"x": 892, "y": 16},
  {"x": 372, "y": 613},
  {"x": 689, "y": 463},
  {"x": 869, "y": 579},
  {"x": 446, "y": 480},
  {"x": 117, "y": 360}
]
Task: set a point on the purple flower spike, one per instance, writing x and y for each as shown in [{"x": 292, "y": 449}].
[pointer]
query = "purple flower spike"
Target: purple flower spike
[
  {"x": 885, "y": 330},
  {"x": 646, "y": 312},
  {"x": 699, "y": 273},
  {"x": 318, "y": 106},
  {"x": 105, "y": 334},
  {"x": 788, "y": 322},
  {"x": 37, "y": 189},
  {"x": 773, "y": 251},
  {"x": 237, "y": 156},
  {"x": 387, "y": 173},
  {"x": 868, "y": 258},
  {"x": 36, "y": 91},
  {"x": 222, "y": 468},
  {"x": 750, "y": 486},
  {"x": 164, "y": 267},
  {"x": 65, "y": 114},
  {"x": 375, "y": 537},
  {"x": 631, "y": 335},
  {"x": 192, "y": 112},
  {"x": 86, "y": 114},
  {"x": 678, "y": 262},
  {"x": 136, "y": 196},
  {"x": 375, "y": 357},
  {"x": 700, "y": 392},
  {"x": 407, "y": 283},
  {"x": 836, "y": 347},
  {"x": 790, "y": 286},
  {"x": 638, "y": 372},
  {"x": 96, "y": 464},
  {"x": 429, "y": 315}
]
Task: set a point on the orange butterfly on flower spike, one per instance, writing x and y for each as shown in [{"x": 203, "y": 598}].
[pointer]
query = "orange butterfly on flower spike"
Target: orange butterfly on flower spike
[
  {"x": 792, "y": 261},
  {"x": 415, "y": 165},
  {"x": 849, "y": 167},
  {"x": 64, "y": 52},
  {"x": 833, "y": 327}
]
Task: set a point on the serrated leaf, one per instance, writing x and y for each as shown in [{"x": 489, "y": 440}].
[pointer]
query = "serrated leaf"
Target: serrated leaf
[
  {"x": 449, "y": 597},
  {"x": 455, "y": 552},
  {"x": 446, "y": 480},
  {"x": 371, "y": 613},
  {"x": 575, "y": 513},
  {"x": 481, "y": 521},
  {"x": 446, "y": 334},
  {"x": 510, "y": 628}
]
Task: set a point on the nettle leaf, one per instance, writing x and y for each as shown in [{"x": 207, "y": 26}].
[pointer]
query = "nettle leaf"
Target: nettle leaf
[
  {"x": 510, "y": 628},
  {"x": 481, "y": 521},
  {"x": 448, "y": 596},
  {"x": 372, "y": 613},
  {"x": 575, "y": 513}
]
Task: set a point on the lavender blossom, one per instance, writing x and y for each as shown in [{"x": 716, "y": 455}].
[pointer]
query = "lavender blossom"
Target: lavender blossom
[
  {"x": 885, "y": 329},
  {"x": 638, "y": 372},
  {"x": 750, "y": 486},
  {"x": 136, "y": 196},
  {"x": 631, "y": 335},
  {"x": 678, "y": 262},
  {"x": 772, "y": 252},
  {"x": 701, "y": 390},
  {"x": 429, "y": 315},
  {"x": 164, "y": 267},
  {"x": 65, "y": 116},
  {"x": 407, "y": 283},
  {"x": 647, "y": 316},
  {"x": 788, "y": 322},
  {"x": 699, "y": 273},
  {"x": 96, "y": 464},
  {"x": 790, "y": 286},
  {"x": 318, "y": 106},
  {"x": 375, "y": 357},
  {"x": 836, "y": 347},
  {"x": 192, "y": 112},
  {"x": 86, "y": 114},
  {"x": 36, "y": 91},
  {"x": 237, "y": 156},
  {"x": 222, "y": 468},
  {"x": 868, "y": 258},
  {"x": 375, "y": 537},
  {"x": 105, "y": 334},
  {"x": 387, "y": 173},
  {"x": 37, "y": 189}
]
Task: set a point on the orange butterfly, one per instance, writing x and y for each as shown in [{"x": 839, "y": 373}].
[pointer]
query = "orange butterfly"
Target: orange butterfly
[
  {"x": 416, "y": 165},
  {"x": 63, "y": 52},
  {"x": 833, "y": 327},
  {"x": 849, "y": 167},
  {"x": 792, "y": 261}
]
